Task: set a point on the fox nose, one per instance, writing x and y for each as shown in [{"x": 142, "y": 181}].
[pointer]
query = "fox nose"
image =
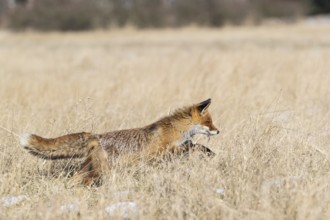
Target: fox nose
[{"x": 218, "y": 131}]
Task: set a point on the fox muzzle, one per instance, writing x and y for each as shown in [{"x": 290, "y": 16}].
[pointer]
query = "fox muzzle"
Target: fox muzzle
[{"x": 214, "y": 132}]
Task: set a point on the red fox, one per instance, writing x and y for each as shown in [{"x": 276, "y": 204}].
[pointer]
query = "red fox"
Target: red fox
[{"x": 171, "y": 134}]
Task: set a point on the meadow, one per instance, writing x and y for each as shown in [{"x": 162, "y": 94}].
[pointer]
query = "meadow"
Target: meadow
[{"x": 270, "y": 100}]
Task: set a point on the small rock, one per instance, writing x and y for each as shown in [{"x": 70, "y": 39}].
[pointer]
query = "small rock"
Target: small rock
[
  {"x": 122, "y": 208},
  {"x": 220, "y": 190},
  {"x": 12, "y": 200},
  {"x": 70, "y": 208}
]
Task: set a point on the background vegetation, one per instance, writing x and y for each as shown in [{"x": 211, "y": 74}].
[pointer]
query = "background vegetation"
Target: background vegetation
[{"x": 73, "y": 15}]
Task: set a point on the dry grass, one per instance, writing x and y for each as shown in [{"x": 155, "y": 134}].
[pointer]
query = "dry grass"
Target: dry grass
[{"x": 271, "y": 95}]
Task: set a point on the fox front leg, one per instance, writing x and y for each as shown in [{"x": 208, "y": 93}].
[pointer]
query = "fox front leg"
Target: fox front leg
[
  {"x": 190, "y": 146},
  {"x": 204, "y": 149}
]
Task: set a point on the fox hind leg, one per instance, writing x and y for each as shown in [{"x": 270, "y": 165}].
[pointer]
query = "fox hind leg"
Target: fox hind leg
[
  {"x": 95, "y": 165},
  {"x": 87, "y": 175}
]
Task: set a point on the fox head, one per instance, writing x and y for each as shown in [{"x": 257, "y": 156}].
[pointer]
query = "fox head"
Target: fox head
[
  {"x": 201, "y": 119},
  {"x": 188, "y": 122}
]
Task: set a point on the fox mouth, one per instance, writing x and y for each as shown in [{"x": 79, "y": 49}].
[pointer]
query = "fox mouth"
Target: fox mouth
[
  {"x": 211, "y": 133},
  {"x": 195, "y": 130}
]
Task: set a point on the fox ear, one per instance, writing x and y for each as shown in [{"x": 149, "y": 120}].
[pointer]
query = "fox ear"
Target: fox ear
[{"x": 203, "y": 105}]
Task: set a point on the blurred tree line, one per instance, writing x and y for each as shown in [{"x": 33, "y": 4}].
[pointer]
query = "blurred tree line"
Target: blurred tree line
[
  {"x": 320, "y": 6},
  {"x": 88, "y": 14}
]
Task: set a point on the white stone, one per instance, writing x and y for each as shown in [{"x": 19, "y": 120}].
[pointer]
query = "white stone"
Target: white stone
[{"x": 123, "y": 209}]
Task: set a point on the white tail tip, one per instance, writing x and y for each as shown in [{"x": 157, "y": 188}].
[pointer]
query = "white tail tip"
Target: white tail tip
[{"x": 24, "y": 139}]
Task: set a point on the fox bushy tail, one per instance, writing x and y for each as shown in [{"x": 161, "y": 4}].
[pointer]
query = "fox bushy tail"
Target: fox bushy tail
[{"x": 67, "y": 146}]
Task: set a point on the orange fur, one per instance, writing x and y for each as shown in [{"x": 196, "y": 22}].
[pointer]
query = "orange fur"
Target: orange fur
[{"x": 171, "y": 134}]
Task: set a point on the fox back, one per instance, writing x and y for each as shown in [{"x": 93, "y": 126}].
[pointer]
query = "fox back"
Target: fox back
[{"x": 167, "y": 133}]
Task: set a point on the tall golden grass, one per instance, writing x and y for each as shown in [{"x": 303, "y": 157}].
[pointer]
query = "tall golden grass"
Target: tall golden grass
[{"x": 270, "y": 99}]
